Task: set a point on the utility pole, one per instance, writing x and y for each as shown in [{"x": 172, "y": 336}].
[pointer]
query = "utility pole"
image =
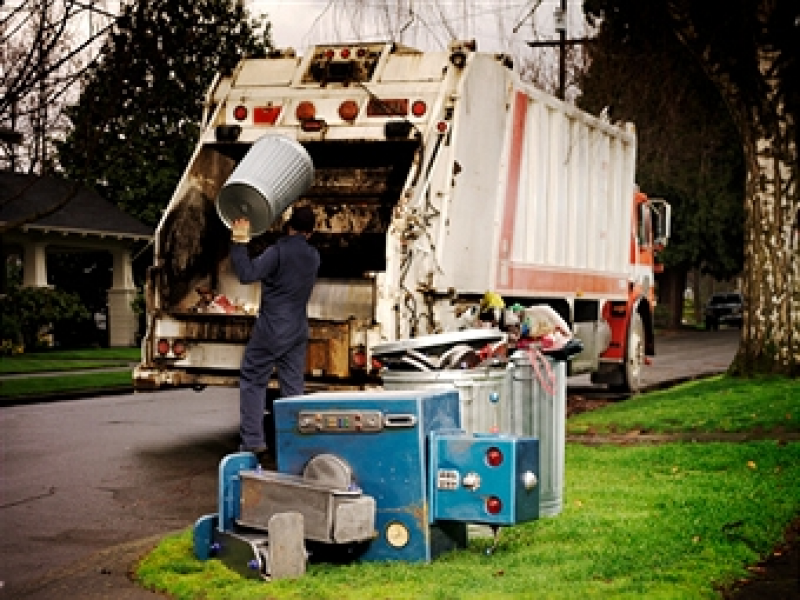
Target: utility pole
[
  {"x": 562, "y": 43},
  {"x": 561, "y": 26}
]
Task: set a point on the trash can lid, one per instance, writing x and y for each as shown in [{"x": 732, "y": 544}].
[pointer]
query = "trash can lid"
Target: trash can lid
[{"x": 437, "y": 343}]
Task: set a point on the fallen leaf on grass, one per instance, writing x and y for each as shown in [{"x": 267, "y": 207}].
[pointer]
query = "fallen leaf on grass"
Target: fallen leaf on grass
[{"x": 751, "y": 464}]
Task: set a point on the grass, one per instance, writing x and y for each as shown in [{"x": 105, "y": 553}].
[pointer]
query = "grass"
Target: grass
[
  {"x": 64, "y": 361},
  {"x": 720, "y": 403},
  {"x": 54, "y": 365},
  {"x": 678, "y": 520},
  {"x": 668, "y": 521},
  {"x": 33, "y": 386},
  {"x": 114, "y": 354}
]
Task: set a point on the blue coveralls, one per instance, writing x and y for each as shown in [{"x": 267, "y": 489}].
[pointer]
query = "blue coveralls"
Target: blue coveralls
[{"x": 287, "y": 271}]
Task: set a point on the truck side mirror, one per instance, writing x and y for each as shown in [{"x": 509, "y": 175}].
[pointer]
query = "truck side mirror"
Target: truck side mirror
[{"x": 662, "y": 220}]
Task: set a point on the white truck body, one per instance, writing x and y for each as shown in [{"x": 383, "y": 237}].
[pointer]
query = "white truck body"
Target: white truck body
[{"x": 493, "y": 185}]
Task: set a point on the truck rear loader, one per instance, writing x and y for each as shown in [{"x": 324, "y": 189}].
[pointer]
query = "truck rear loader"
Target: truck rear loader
[{"x": 438, "y": 176}]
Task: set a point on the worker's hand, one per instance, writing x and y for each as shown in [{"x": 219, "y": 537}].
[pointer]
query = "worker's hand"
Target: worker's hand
[{"x": 240, "y": 231}]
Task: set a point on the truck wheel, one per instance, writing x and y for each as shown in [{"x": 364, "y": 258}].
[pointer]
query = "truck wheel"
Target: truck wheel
[{"x": 634, "y": 357}]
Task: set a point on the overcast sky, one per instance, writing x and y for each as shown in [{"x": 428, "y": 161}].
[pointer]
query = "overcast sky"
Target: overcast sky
[{"x": 424, "y": 24}]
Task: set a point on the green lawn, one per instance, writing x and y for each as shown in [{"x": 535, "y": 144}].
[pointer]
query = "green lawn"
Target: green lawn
[
  {"x": 113, "y": 354},
  {"x": 65, "y": 361},
  {"x": 668, "y": 521},
  {"x": 716, "y": 404},
  {"x": 33, "y": 386},
  {"x": 676, "y": 520}
]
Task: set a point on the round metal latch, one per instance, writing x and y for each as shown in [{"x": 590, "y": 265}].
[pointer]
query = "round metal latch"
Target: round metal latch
[{"x": 329, "y": 469}]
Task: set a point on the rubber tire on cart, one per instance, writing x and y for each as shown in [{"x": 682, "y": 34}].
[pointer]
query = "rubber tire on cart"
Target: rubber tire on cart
[
  {"x": 634, "y": 357},
  {"x": 711, "y": 324}
]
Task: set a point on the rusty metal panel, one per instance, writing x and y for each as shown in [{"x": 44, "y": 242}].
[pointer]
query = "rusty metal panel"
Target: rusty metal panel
[
  {"x": 328, "y": 349},
  {"x": 218, "y": 328},
  {"x": 349, "y": 182}
]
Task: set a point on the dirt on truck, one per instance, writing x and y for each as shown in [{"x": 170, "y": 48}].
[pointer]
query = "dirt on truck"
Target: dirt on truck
[{"x": 437, "y": 176}]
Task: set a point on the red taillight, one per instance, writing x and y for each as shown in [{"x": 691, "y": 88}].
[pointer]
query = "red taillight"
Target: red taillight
[
  {"x": 266, "y": 114},
  {"x": 361, "y": 52},
  {"x": 345, "y": 53},
  {"x": 240, "y": 112},
  {"x": 493, "y": 505},
  {"x": 305, "y": 111},
  {"x": 329, "y": 53},
  {"x": 442, "y": 127},
  {"x": 178, "y": 348},
  {"x": 359, "y": 359},
  {"x": 163, "y": 347},
  {"x": 418, "y": 108},
  {"x": 494, "y": 458},
  {"x": 376, "y": 364},
  {"x": 348, "y": 110}
]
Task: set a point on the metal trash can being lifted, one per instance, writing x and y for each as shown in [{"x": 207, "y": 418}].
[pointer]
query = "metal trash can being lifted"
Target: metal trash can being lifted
[
  {"x": 273, "y": 174},
  {"x": 541, "y": 414}
]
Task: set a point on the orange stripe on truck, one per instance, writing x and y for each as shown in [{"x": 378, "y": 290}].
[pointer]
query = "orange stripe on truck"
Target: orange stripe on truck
[
  {"x": 523, "y": 278},
  {"x": 512, "y": 180}
]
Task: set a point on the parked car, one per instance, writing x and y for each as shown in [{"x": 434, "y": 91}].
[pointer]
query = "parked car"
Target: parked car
[{"x": 724, "y": 309}]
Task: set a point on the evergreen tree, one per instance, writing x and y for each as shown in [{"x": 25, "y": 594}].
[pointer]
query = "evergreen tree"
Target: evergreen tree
[{"x": 136, "y": 123}]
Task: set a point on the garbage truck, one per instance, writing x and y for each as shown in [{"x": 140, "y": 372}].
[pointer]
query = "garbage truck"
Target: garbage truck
[{"x": 437, "y": 176}]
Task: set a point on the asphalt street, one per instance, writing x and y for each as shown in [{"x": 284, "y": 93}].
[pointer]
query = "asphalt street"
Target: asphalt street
[{"x": 90, "y": 485}]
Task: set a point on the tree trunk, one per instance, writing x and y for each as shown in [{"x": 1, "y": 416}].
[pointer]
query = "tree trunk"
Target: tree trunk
[
  {"x": 698, "y": 301},
  {"x": 770, "y": 340},
  {"x": 771, "y": 331},
  {"x": 671, "y": 286}
]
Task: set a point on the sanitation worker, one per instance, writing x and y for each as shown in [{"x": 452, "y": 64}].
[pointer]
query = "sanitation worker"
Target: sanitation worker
[{"x": 287, "y": 271}]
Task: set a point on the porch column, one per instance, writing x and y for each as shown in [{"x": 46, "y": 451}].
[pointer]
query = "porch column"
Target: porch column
[
  {"x": 34, "y": 264},
  {"x": 121, "y": 318}
]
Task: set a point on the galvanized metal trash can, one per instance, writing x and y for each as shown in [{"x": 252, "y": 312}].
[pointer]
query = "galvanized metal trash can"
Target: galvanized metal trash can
[
  {"x": 540, "y": 414},
  {"x": 485, "y": 393},
  {"x": 273, "y": 174}
]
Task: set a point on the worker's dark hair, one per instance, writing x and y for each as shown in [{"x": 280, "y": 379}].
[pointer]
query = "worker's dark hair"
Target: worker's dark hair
[{"x": 302, "y": 219}]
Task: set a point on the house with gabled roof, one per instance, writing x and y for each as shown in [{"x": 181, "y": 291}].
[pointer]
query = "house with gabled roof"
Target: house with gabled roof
[{"x": 48, "y": 214}]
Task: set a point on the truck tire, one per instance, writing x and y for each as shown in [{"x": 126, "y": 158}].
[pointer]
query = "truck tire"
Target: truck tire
[{"x": 634, "y": 357}]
